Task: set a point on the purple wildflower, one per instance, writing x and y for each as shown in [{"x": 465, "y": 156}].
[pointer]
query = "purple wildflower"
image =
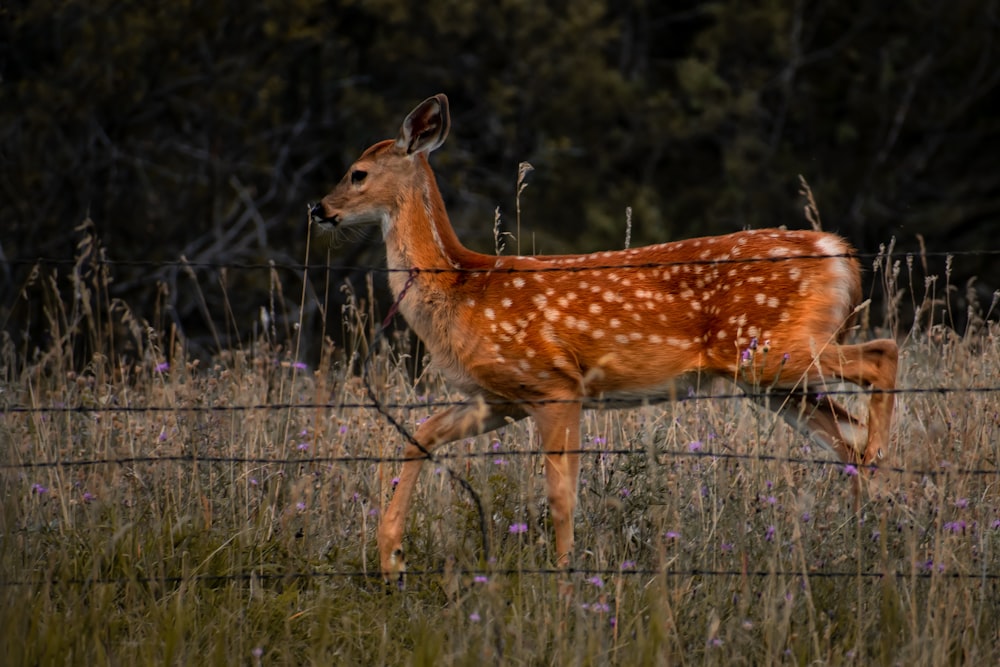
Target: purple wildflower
[
  {"x": 596, "y": 581},
  {"x": 474, "y": 617},
  {"x": 162, "y": 367},
  {"x": 769, "y": 535},
  {"x": 39, "y": 489},
  {"x": 850, "y": 470},
  {"x": 517, "y": 528},
  {"x": 480, "y": 579}
]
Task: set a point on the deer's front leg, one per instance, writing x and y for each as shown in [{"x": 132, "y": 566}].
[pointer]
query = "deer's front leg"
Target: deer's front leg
[
  {"x": 461, "y": 421},
  {"x": 559, "y": 426}
]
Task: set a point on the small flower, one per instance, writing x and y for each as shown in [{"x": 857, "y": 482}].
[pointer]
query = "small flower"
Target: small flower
[
  {"x": 753, "y": 343},
  {"x": 39, "y": 489},
  {"x": 300, "y": 506},
  {"x": 500, "y": 462},
  {"x": 517, "y": 528},
  {"x": 875, "y": 535},
  {"x": 628, "y": 565},
  {"x": 726, "y": 547},
  {"x": 625, "y": 493},
  {"x": 88, "y": 497},
  {"x": 995, "y": 525},
  {"x": 480, "y": 579},
  {"x": 962, "y": 503},
  {"x": 474, "y": 617},
  {"x": 955, "y": 526},
  {"x": 257, "y": 652},
  {"x": 394, "y": 482},
  {"x": 298, "y": 365},
  {"x": 771, "y": 500},
  {"x": 806, "y": 516},
  {"x": 769, "y": 535},
  {"x": 598, "y": 440},
  {"x": 253, "y": 481},
  {"x": 785, "y": 357},
  {"x": 495, "y": 445},
  {"x": 303, "y": 447},
  {"x": 746, "y": 357},
  {"x": 694, "y": 446},
  {"x": 162, "y": 367},
  {"x": 343, "y": 429},
  {"x": 850, "y": 470},
  {"x": 596, "y": 581},
  {"x": 672, "y": 535}
]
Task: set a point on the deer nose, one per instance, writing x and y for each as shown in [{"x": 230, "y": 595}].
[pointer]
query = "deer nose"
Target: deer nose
[{"x": 318, "y": 215}]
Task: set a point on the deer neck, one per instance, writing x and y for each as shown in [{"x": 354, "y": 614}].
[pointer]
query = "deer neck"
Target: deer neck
[{"x": 420, "y": 237}]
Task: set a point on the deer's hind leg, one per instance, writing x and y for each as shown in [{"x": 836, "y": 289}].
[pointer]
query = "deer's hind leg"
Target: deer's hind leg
[{"x": 873, "y": 366}]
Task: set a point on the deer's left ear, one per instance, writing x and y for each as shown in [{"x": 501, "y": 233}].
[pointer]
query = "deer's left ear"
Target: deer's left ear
[{"x": 426, "y": 128}]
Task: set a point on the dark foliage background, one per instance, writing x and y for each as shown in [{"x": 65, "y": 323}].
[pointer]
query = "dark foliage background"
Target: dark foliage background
[{"x": 201, "y": 129}]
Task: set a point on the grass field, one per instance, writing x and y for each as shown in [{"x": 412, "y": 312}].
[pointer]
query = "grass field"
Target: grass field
[{"x": 228, "y": 526}]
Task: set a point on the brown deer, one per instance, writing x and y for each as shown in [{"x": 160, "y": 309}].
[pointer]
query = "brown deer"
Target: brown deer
[{"x": 547, "y": 336}]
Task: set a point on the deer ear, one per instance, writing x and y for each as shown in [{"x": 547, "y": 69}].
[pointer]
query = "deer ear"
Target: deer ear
[{"x": 426, "y": 128}]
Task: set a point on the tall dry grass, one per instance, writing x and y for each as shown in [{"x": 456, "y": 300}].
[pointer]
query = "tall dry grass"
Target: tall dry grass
[{"x": 160, "y": 510}]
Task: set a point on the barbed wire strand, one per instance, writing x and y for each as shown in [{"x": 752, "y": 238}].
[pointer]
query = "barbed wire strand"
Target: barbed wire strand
[
  {"x": 589, "y": 403},
  {"x": 946, "y": 469},
  {"x": 923, "y": 573},
  {"x": 285, "y": 266}
]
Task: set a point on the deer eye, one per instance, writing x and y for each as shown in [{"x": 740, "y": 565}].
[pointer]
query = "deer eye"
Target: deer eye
[{"x": 358, "y": 175}]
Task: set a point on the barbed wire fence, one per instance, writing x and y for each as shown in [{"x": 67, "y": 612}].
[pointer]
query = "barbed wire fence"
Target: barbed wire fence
[{"x": 384, "y": 409}]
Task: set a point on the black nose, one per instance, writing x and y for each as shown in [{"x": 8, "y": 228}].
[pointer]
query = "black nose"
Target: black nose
[{"x": 317, "y": 214}]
